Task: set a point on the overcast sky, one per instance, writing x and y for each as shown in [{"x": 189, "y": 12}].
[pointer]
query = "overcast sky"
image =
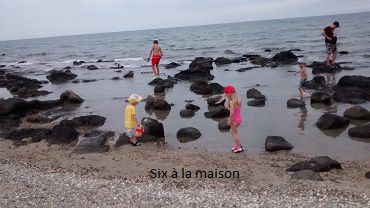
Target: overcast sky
[{"x": 44, "y": 18}]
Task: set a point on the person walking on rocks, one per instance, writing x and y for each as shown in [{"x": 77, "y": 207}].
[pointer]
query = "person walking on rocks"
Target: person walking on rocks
[
  {"x": 302, "y": 82},
  {"x": 234, "y": 103},
  {"x": 331, "y": 43},
  {"x": 155, "y": 53}
]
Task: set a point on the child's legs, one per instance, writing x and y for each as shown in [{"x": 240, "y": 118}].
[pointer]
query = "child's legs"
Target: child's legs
[
  {"x": 301, "y": 91},
  {"x": 234, "y": 133},
  {"x": 131, "y": 134}
]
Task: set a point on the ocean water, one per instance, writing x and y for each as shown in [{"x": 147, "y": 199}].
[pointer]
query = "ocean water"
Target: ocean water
[{"x": 106, "y": 97}]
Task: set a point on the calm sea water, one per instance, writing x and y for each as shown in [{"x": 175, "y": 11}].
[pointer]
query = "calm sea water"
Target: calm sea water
[{"x": 105, "y": 97}]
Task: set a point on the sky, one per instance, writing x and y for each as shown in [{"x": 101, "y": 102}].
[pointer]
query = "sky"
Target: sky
[{"x": 22, "y": 19}]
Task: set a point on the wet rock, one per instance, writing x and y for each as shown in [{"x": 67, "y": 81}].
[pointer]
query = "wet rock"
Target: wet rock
[
  {"x": 24, "y": 136},
  {"x": 220, "y": 112},
  {"x": 267, "y": 50},
  {"x": 246, "y": 69},
  {"x": 93, "y": 142},
  {"x": 253, "y": 93},
  {"x": 285, "y": 57},
  {"x": 317, "y": 164},
  {"x": 262, "y": 61},
  {"x": 2, "y": 66},
  {"x": 295, "y": 103},
  {"x": 230, "y": 52},
  {"x": 89, "y": 121},
  {"x": 186, "y": 113},
  {"x": 118, "y": 71},
  {"x": 3, "y": 54},
  {"x": 14, "y": 106},
  {"x": 76, "y": 63},
  {"x": 69, "y": 96},
  {"x": 188, "y": 134},
  {"x": 116, "y": 66},
  {"x": 159, "y": 89},
  {"x": 22, "y": 87},
  {"x": 322, "y": 67},
  {"x": 153, "y": 127},
  {"x": 199, "y": 70},
  {"x": 203, "y": 88},
  {"x": 57, "y": 77},
  {"x": 277, "y": 143},
  {"x": 116, "y": 78},
  {"x": 201, "y": 64},
  {"x": 68, "y": 67},
  {"x": 215, "y": 101},
  {"x": 92, "y": 67},
  {"x": 331, "y": 121},
  {"x": 157, "y": 103},
  {"x": 352, "y": 89},
  {"x": 343, "y": 52},
  {"x": 317, "y": 83},
  {"x": 192, "y": 107},
  {"x": 88, "y": 80},
  {"x": 167, "y": 83},
  {"x": 222, "y": 61},
  {"x": 63, "y": 133},
  {"x": 22, "y": 62},
  {"x": 357, "y": 113},
  {"x": 239, "y": 59},
  {"x": 320, "y": 97},
  {"x": 129, "y": 74},
  {"x": 367, "y": 175},
  {"x": 76, "y": 81},
  {"x": 172, "y": 65},
  {"x": 224, "y": 125},
  {"x": 259, "y": 101},
  {"x": 306, "y": 175},
  {"x": 360, "y": 131}
]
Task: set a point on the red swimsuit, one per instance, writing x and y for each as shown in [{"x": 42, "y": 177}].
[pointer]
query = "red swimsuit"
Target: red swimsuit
[{"x": 155, "y": 59}]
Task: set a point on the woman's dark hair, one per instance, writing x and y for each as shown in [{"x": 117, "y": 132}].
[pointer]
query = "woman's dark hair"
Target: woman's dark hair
[{"x": 156, "y": 41}]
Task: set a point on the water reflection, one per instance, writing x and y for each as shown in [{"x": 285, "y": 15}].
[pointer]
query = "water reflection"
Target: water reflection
[{"x": 303, "y": 118}]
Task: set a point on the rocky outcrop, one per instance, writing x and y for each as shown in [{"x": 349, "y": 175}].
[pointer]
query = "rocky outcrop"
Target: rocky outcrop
[
  {"x": 352, "y": 89},
  {"x": 295, "y": 103},
  {"x": 193, "y": 107},
  {"x": 188, "y": 134},
  {"x": 222, "y": 61},
  {"x": 360, "y": 131},
  {"x": 152, "y": 127},
  {"x": 58, "y": 77},
  {"x": 93, "y": 142},
  {"x": 203, "y": 88},
  {"x": 215, "y": 101},
  {"x": 259, "y": 98},
  {"x": 89, "y": 121},
  {"x": 285, "y": 57},
  {"x": 322, "y": 67},
  {"x": 262, "y": 61},
  {"x": 172, "y": 65},
  {"x": 219, "y": 112},
  {"x": 159, "y": 89},
  {"x": 76, "y": 63},
  {"x": 277, "y": 143},
  {"x": 199, "y": 70},
  {"x": 70, "y": 97},
  {"x": 320, "y": 97},
  {"x": 357, "y": 113},
  {"x": 331, "y": 121},
  {"x": 317, "y": 164},
  {"x": 167, "y": 83},
  {"x": 92, "y": 67},
  {"x": 186, "y": 113},
  {"x": 129, "y": 74},
  {"x": 246, "y": 68},
  {"x": 157, "y": 103},
  {"x": 238, "y": 59},
  {"x": 306, "y": 175},
  {"x": 317, "y": 83}
]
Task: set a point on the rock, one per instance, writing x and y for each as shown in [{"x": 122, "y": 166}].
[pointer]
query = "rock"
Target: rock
[
  {"x": 118, "y": 71},
  {"x": 331, "y": 121},
  {"x": 68, "y": 67},
  {"x": 295, "y": 103},
  {"x": 159, "y": 89},
  {"x": 89, "y": 121},
  {"x": 230, "y": 52},
  {"x": 167, "y": 83},
  {"x": 116, "y": 78},
  {"x": 23, "y": 136},
  {"x": 317, "y": 83},
  {"x": 92, "y": 67},
  {"x": 14, "y": 106},
  {"x": 246, "y": 69},
  {"x": 188, "y": 134},
  {"x": 320, "y": 97},
  {"x": 192, "y": 107},
  {"x": 117, "y": 66},
  {"x": 267, "y": 50},
  {"x": 253, "y": 93},
  {"x": 317, "y": 164},
  {"x": 129, "y": 74},
  {"x": 57, "y": 77},
  {"x": 262, "y": 61},
  {"x": 172, "y": 65},
  {"x": 22, "y": 62},
  {"x": 201, "y": 64},
  {"x": 352, "y": 89},
  {"x": 277, "y": 143},
  {"x": 3, "y": 54},
  {"x": 224, "y": 125},
  {"x": 186, "y": 113},
  {"x": 220, "y": 112},
  {"x": 203, "y": 88},
  {"x": 157, "y": 103},
  {"x": 199, "y": 70},
  {"x": 63, "y": 133},
  {"x": 306, "y": 175},
  {"x": 76, "y": 63},
  {"x": 76, "y": 81},
  {"x": 213, "y": 101},
  {"x": 239, "y": 59},
  {"x": 251, "y": 56},
  {"x": 343, "y": 52},
  {"x": 357, "y": 113},
  {"x": 222, "y": 61},
  {"x": 88, "y": 80},
  {"x": 322, "y": 67},
  {"x": 367, "y": 175},
  {"x": 153, "y": 127},
  {"x": 259, "y": 101},
  {"x": 22, "y": 87},
  {"x": 93, "y": 142},
  {"x": 69, "y": 96},
  {"x": 285, "y": 57},
  {"x": 360, "y": 131}
]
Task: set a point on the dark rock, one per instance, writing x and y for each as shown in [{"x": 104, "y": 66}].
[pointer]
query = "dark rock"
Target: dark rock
[
  {"x": 23, "y": 87},
  {"x": 76, "y": 63},
  {"x": 186, "y": 113},
  {"x": 214, "y": 101},
  {"x": 76, "y": 81},
  {"x": 317, "y": 164},
  {"x": 172, "y": 65},
  {"x": 167, "y": 83},
  {"x": 92, "y": 67},
  {"x": 239, "y": 59},
  {"x": 129, "y": 74},
  {"x": 23, "y": 136},
  {"x": 157, "y": 103},
  {"x": 159, "y": 89},
  {"x": 343, "y": 52},
  {"x": 93, "y": 142},
  {"x": 322, "y": 67},
  {"x": 201, "y": 64},
  {"x": 203, "y": 88},
  {"x": 153, "y": 127},
  {"x": 222, "y": 61},
  {"x": 224, "y": 125},
  {"x": 14, "y": 106},
  {"x": 116, "y": 78},
  {"x": 306, "y": 175},
  {"x": 199, "y": 69},
  {"x": 259, "y": 101},
  {"x": 192, "y": 107},
  {"x": 277, "y": 143},
  {"x": 188, "y": 134},
  {"x": 285, "y": 57},
  {"x": 253, "y": 93},
  {"x": 70, "y": 97},
  {"x": 3, "y": 54},
  {"x": 360, "y": 131},
  {"x": 331, "y": 121},
  {"x": 63, "y": 133},
  {"x": 118, "y": 71},
  {"x": 320, "y": 97},
  {"x": 2, "y": 66},
  {"x": 60, "y": 76},
  {"x": 262, "y": 61},
  {"x": 88, "y": 80},
  {"x": 251, "y": 56},
  {"x": 68, "y": 67},
  {"x": 116, "y": 66},
  {"x": 357, "y": 113},
  {"x": 246, "y": 69},
  {"x": 267, "y": 50},
  {"x": 317, "y": 83},
  {"x": 22, "y": 62},
  {"x": 220, "y": 112},
  {"x": 367, "y": 175},
  {"x": 295, "y": 103},
  {"x": 230, "y": 52},
  {"x": 352, "y": 89},
  {"x": 89, "y": 121}
]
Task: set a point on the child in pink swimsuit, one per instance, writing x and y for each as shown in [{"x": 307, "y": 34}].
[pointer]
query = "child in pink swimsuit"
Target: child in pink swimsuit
[{"x": 234, "y": 104}]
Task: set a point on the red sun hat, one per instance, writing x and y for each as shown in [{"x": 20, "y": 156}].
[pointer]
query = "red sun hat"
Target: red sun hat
[{"x": 229, "y": 90}]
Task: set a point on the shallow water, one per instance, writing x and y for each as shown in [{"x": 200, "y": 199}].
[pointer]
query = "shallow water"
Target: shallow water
[{"x": 106, "y": 97}]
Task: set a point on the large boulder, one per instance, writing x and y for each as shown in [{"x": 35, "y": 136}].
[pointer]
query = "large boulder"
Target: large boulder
[
  {"x": 57, "y": 77},
  {"x": 203, "y": 88},
  {"x": 93, "y": 142},
  {"x": 157, "y": 103},
  {"x": 159, "y": 89},
  {"x": 306, "y": 175},
  {"x": 188, "y": 134},
  {"x": 69, "y": 96},
  {"x": 360, "y": 131},
  {"x": 219, "y": 112},
  {"x": 322, "y": 67},
  {"x": 317, "y": 83},
  {"x": 239, "y": 59},
  {"x": 172, "y": 65},
  {"x": 317, "y": 164},
  {"x": 22, "y": 87},
  {"x": 89, "y": 121},
  {"x": 76, "y": 63},
  {"x": 167, "y": 83},
  {"x": 222, "y": 61},
  {"x": 331, "y": 121},
  {"x": 367, "y": 175},
  {"x": 262, "y": 61},
  {"x": 257, "y": 102},
  {"x": 357, "y": 113},
  {"x": 199, "y": 70},
  {"x": 320, "y": 97},
  {"x": 277, "y": 143},
  {"x": 352, "y": 89},
  {"x": 201, "y": 64},
  {"x": 153, "y": 127},
  {"x": 27, "y": 135},
  {"x": 285, "y": 57},
  {"x": 253, "y": 93},
  {"x": 216, "y": 101},
  {"x": 295, "y": 103},
  {"x": 13, "y": 106}
]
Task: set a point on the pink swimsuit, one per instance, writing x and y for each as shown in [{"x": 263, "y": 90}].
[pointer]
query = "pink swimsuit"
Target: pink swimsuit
[{"x": 237, "y": 117}]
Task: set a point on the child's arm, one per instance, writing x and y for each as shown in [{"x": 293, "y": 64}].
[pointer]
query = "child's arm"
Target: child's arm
[
  {"x": 135, "y": 119},
  {"x": 231, "y": 110}
]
